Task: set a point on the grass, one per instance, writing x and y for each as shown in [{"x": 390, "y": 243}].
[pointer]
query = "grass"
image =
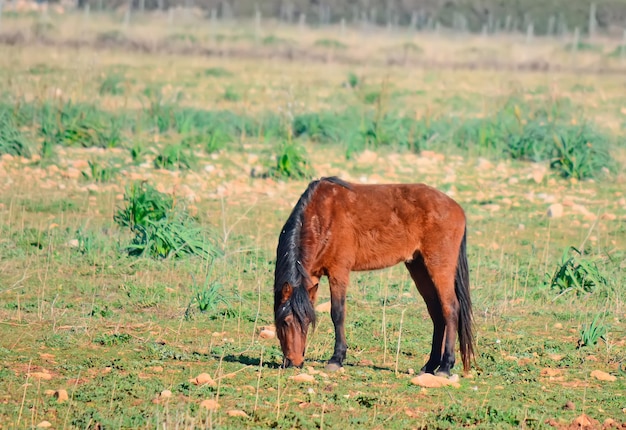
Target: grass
[{"x": 78, "y": 312}]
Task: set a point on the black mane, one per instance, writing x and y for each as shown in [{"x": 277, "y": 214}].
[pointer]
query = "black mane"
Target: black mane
[{"x": 289, "y": 268}]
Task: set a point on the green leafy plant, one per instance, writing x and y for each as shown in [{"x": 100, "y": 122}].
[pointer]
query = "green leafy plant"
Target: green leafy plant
[
  {"x": 591, "y": 333},
  {"x": 161, "y": 230},
  {"x": 113, "y": 84},
  {"x": 231, "y": 94},
  {"x": 12, "y": 140},
  {"x": 576, "y": 273},
  {"x": 174, "y": 157},
  {"x": 99, "y": 172},
  {"x": 291, "y": 162},
  {"x": 353, "y": 80},
  {"x": 143, "y": 203}
]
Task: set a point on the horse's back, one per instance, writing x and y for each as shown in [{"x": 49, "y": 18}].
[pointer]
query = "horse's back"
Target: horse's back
[{"x": 375, "y": 226}]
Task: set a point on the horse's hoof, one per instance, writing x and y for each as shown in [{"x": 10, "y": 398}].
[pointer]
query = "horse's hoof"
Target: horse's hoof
[
  {"x": 333, "y": 367},
  {"x": 442, "y": 374}
]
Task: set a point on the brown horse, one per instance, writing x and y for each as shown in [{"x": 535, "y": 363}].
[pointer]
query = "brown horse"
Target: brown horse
[{"x": 338, "y": 227}]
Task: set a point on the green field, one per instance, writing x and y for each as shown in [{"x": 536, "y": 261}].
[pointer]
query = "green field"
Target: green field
[{"x": 123, "y": 307}]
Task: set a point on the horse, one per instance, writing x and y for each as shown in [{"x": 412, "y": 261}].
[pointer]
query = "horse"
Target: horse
[{"x": 337, "y": 227}]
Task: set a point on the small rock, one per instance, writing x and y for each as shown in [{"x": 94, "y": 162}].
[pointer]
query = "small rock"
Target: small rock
[
  {"x": 237, "y": 413},
  {"x": 203, "y": 379},
  {"x": 61, "y": 395},
  {"x": 609, "y": 423},
  {"x": 44, "y": 425},
  {"x": 585, "y": 421},
  {"x": 555, "y": 210},
  {"x": 267, "y": 334},
  {"x": 41, "y": 375},
  {"x": 484, "y": 164},
  {"x": 303, "y": 377},
  {"x": 210, "y": 404},
  {"x": 411, "y": 371},
  {"x": 570, "y": 406},
  {"x": 367, "y": 156},
  {"x": 550, "y": 373},
  {"x": 73, "y": 243},
  {"x": 538, "y": 175},
  {"x": 333, "y": 367},
  {"x": 166, "y": 394},
  {"x": 323, "y": 307},
  {"x": 603, "y": 376},
  {"x": 428, "y": 380}
]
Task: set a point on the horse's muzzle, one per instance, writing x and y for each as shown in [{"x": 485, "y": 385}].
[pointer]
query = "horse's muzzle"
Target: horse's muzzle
[{"x": 288, "y": 363}]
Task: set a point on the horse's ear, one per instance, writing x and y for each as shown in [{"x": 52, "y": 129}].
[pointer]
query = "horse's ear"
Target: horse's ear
[{"x": 287, "y": 292}]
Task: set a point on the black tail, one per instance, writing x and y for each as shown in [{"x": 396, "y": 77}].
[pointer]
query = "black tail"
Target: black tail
[{"x": 462, "y": 290}]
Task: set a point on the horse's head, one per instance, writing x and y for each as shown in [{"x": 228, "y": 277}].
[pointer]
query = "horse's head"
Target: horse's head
[{"x": 294, "y": 314}]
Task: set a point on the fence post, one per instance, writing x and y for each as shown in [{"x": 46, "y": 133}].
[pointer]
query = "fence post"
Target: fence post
[
  {"x": 213, "y": 25},
  {"x": 302, "y": 21},
  {"x": 550, "y": 30},
  {"x": 257, "y": 23},
  {"x": 575, "y": 42},
  {"x": 530, "y": 30},
  {"x": 592, "y": 20},
  {"x": 413, "y": 25},
  {"x": 622, "y": 50},
  {"x": 127, "y": 14}
]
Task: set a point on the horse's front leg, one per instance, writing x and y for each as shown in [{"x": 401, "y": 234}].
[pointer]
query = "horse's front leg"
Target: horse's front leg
[{"x": 338, "y": 289}]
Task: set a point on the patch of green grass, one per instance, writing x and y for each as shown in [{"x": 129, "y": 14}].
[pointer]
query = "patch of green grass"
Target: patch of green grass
[
  {"x": 217, "y": 72},
  {"x": 576, "y": 273},
  {"x": 113, "y": 84},
  {"x": 100, "y": 172},
  {"x": 160, "y": 229},
  {"x": 231, "y": 94},
  {"x": 584, "y": 46},
  {"x": 291, "y": 163},
  {"x": 330, "y": 43},
  {"x": 276, "y": 40},
  {"x": 174, "y": 157}
]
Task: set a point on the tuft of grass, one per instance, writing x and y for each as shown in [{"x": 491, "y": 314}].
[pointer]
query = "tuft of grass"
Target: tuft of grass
[
  {"x": 182, "y": 37},
  {"x": 143, "y": 203},
  {"x": 12, "y": 140},
  {"x": 583, "y": 46},
  {"x": 330, "y": 43},
  {"x": 217, "y": 72},
  {"x": 591, "y": 333},
  {"x": 100, "y": 172},
  {"x": 161, "y": 230},
  {"x": 576, "y": 273},
  {"x": 275, "y": 40},
  {"x": 174, "y": 157},
  {"x": 113, "y": 84},
  {"x": 291, "y": 163},
  {"x": 231, "y": 94}
]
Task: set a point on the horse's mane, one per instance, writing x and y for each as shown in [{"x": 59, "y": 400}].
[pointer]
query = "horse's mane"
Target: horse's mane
[{"x": 289, "y": 268}]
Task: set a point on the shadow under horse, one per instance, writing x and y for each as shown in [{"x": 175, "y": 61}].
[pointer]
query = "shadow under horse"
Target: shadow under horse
[{"x": 338, "y": 227}]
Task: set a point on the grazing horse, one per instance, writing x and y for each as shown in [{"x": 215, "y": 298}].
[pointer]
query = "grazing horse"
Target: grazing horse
[{"x": 338, "y": 227}]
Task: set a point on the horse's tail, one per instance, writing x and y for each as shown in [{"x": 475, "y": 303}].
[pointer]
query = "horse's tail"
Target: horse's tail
[{"x": 462, "y": 290}]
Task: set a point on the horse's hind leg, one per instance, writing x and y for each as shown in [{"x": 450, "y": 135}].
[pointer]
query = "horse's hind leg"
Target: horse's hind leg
[
  {"x": 427, "y": 289},
  {"x": 442, "y": 269},
  {"x": 338, "y": 289}
]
